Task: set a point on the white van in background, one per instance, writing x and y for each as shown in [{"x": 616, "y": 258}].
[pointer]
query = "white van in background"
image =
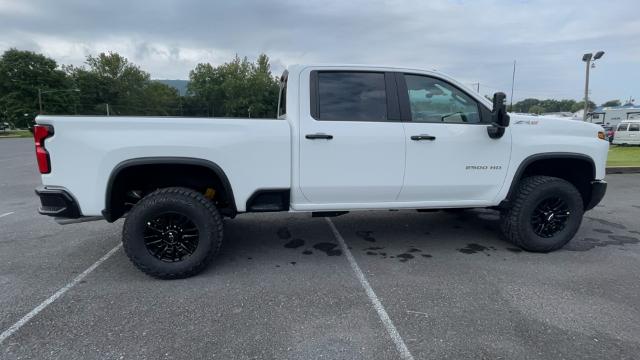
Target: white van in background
[{"x": 627, "y": 133}]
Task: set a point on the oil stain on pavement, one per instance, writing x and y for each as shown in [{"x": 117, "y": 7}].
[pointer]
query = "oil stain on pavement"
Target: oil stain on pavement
[
  {"x": 476, "y": 249},
  {"x": 284, "y": 233},
  {"x": 328, "y": 248},
  {"x": 589, "y": 243},
  {"x": 366, "y": 235},
  {"x": 294, "y": 244}
]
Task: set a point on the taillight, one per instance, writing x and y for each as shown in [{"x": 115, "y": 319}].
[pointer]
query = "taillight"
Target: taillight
[{"x": 40, "y": 133}]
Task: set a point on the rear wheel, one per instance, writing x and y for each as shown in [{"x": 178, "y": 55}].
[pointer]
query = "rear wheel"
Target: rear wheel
[
  {"x": 172, "y": 233},
  {"x": 545, "y": 214}
]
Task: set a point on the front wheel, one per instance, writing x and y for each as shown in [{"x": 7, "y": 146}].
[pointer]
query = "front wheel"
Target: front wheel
[
  {"x": 172, "y": 233},
  {"x": 545, "y": 214}
]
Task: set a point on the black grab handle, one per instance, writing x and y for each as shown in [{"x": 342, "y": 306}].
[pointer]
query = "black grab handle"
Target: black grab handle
[
  {"x": 423, "y": 137},
  {"x": 319, "y": 136}
]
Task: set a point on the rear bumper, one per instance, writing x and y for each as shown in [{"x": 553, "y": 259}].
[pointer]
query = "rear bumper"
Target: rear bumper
[
  {"x": 598, "y": 189},
  {"x": 57, "y": 202}
]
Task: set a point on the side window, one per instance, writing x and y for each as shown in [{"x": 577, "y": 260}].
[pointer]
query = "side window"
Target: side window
[
  {"x": 282, "y": 101},
  {"x": 634, "y": 127},
  {"x": 622, "y": 127},
  {"x": 351, "y": 96},
  {"x": 435, "y": 101}
]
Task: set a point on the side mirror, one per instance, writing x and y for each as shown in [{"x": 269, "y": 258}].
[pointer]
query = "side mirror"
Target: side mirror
[{"x": 499, "y": 116}]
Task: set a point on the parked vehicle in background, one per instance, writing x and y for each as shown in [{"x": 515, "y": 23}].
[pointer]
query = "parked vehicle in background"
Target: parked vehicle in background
[
  {"x": 4, "y": 126},
  {"x": 346, "y": 138},
  {"x": 628, "y": 133},
  {"x": 613, "y": 115}
]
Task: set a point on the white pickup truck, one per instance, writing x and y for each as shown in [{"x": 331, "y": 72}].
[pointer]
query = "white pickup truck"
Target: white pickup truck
[{"x": 346, "y": 138}]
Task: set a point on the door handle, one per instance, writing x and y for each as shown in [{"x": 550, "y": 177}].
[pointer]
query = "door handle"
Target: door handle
[
  {"x": 423, "y": 137},
  {"x": 319, "y": 136}
]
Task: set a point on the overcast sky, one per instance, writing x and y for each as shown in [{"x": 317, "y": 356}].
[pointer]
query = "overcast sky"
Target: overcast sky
[{"x": 474, "y": 41}]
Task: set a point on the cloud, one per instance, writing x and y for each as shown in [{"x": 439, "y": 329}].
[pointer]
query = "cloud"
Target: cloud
[{"x": 475, "y": 41}]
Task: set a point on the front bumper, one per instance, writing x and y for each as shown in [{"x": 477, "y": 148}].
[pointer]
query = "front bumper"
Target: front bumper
[
  {"x": 598, "y": 189},
  {"x": 57, "y": 202}
]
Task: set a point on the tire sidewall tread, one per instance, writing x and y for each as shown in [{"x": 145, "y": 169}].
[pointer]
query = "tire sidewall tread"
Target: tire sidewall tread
[
  {"x": 200, "y": 210},
  {"x": 515, "y": 221}
]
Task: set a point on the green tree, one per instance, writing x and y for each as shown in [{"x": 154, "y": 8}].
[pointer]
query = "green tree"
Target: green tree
[
  {"x": 536, "y": 109},
  {"x": 580, "y": 106},
  {"x": 22, "y": 74},
  {"x": 110, "y": 79},
  {"x": 612, "y": 103},
  {"x": 524, "y": 105},
  {"x": 161, "y": 100},
  {"x": 238, "y": 88}
]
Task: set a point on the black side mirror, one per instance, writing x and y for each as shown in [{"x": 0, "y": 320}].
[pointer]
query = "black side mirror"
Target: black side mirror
[{"x": 499, "y": 116}]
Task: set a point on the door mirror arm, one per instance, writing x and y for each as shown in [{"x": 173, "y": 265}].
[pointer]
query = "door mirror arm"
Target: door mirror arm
[{"x": 499, "y": 116}]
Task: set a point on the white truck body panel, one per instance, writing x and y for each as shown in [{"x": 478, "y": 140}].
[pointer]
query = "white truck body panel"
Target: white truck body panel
[
  {"x": 367, "y": 165},
  {"x": 254, "y": 153}
]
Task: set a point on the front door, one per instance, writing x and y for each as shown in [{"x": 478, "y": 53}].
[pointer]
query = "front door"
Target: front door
[
  {"x": 352, "y": 147},
  {"x": 451, "y": 160}
]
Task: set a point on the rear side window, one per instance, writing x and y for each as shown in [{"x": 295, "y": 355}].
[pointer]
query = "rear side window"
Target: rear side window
[
  {"x": 622, "y": 127},
  {"x": 351, "y": 96},
  {"x": 282, "y": 102},
  {"x": 634, "y": 127}
]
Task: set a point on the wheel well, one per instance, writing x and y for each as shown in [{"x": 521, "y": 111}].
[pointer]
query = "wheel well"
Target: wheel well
[
  {"x": 134, "y": 179},
  {"x": 579, "y": 170}
]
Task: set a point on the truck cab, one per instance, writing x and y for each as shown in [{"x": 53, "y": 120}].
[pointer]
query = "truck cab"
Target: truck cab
[{"x": 376, "y": 137}]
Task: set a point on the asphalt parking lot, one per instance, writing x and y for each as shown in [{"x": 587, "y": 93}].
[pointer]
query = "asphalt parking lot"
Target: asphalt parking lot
[{"x": 284, "y": 288}]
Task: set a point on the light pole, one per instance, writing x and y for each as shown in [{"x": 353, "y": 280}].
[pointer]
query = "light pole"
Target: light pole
[
  {"x": 40, "y": 92},
  {"x": 589, "y": 59}
]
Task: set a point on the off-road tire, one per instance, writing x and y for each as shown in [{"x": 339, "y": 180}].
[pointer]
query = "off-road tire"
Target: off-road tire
[
  {"x": 515, "y": 221},
  {"x": 201, "y": 211}
]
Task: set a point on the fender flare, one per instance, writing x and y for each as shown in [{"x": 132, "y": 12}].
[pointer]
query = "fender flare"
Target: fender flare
[
  {"x": 166, "y": 160},
  {"x": 545, "y": 156}
]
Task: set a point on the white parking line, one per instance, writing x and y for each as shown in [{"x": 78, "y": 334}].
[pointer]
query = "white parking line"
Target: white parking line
[
  {"x": 25, "y": 319},
  {"x": 377, "y": 305},
  {"x": 6, "y": 214}
]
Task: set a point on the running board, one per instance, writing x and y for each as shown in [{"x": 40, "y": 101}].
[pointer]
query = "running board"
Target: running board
[
  {"x": 328, "y": 213},
  {"x": 66, "y": 221}
]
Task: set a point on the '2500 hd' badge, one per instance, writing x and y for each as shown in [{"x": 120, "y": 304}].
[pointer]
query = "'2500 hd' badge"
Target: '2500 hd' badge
[{"x": 483, "y": 167}]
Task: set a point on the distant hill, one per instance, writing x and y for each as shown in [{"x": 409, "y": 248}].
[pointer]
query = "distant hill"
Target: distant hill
[{"x": 180, "y": 85}]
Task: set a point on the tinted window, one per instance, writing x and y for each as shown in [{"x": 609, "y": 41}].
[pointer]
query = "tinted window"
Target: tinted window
[
  {"x": 282, "y": 102},
  {"x": 434, "y": 100},
  {"x": 634, "y": 127},
  {"x": 622, "y": 127},
  {"x": 352, "y": 96}
]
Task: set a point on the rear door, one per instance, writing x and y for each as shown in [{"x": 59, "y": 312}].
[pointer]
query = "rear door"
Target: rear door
[
  {"x": 352, "y": 147},
  {"x": 451, "y": 159}
]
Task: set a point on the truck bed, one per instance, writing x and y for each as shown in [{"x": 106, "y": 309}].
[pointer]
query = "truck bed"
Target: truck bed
[{"x": 84, "y": 150}]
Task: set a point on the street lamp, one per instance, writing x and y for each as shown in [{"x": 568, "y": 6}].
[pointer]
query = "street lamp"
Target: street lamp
[
  {"x": 589, "y": 59},
  {"x": 40, "y": 92}
]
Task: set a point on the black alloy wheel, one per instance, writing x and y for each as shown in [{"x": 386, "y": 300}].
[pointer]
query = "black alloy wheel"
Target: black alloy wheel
[
  {"x": 171, "y": 237},
  {"x": 550, "y": 217}
]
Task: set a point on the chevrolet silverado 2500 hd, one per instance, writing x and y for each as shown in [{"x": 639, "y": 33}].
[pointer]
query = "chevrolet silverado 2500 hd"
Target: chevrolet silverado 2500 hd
[{"x": 346, "y": 138}]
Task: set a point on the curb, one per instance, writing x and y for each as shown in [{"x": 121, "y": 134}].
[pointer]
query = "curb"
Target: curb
[{"x": 623, "y": 170}]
